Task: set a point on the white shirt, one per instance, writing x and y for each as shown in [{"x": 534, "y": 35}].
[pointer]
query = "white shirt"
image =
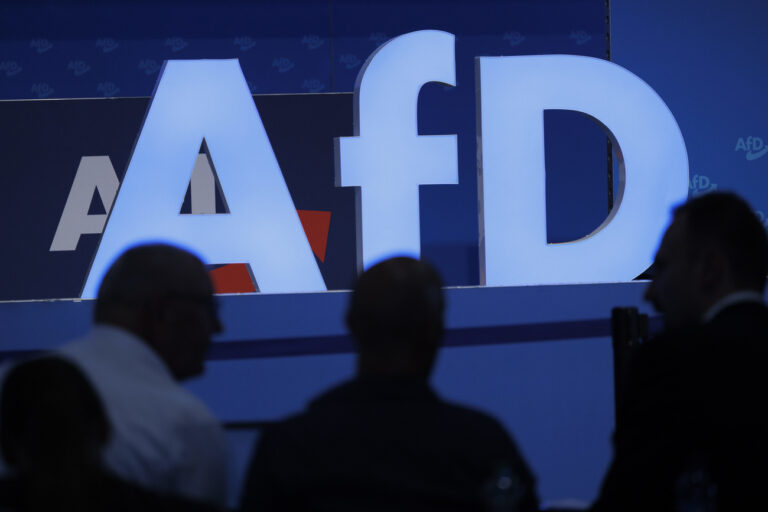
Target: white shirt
[{"x": 163, "y": 437}]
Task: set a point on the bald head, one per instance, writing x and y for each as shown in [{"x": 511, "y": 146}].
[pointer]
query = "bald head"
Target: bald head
[
  {"x": 163, "y": 295},
  {"x": 396, "y": 315},
  {"x": 143, "y": 273}
]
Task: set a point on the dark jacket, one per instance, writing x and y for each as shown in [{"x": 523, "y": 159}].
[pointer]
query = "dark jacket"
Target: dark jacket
[
  {"x": 92, "y": 491},
  {"x": 692, "y": 425},
  {"x": 386, "y": 444}
]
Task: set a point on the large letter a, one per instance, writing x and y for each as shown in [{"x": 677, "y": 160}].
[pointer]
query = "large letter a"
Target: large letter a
[{"x": 209, "y": 99}]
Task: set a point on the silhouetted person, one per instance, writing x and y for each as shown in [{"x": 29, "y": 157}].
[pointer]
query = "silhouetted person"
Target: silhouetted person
[
  {"x": 154, "y": 316},
  {"x": 385, "y": 440},
  {"x": 52, "y": 429},
  {"x": 692, "y": 430}
]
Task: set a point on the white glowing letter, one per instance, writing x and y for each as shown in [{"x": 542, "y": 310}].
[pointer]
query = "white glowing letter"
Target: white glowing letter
[
  {"x": 209, "y": 99},
  {"x": 95, "y": 173},
  {"x": 387, "y": 158},
  {"x": 514, "y": 92}
]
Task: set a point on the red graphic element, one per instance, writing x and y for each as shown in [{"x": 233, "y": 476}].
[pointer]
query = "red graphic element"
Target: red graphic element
[
  {"x": 233, "y": 278},
  {"x": 236, "y": 278},
  {"x": 316, "y": 225}
]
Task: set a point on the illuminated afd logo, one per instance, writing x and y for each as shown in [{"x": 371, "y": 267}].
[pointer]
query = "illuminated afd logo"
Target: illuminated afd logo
[{"x": 387, "y": 161}]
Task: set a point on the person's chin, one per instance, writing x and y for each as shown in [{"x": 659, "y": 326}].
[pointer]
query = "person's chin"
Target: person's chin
[
  {"x": 197, "y": 370},
  {"x": 190, "y": 371}
]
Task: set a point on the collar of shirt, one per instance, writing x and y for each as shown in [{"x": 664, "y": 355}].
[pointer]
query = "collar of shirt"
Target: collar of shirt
[
  {"x": 130, "y": 351},
  {"x": 730, "y": 300}
]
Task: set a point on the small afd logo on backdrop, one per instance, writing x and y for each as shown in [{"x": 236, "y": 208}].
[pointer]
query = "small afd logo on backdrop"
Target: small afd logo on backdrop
[
  {"x": 699, "y": 184},
  {"x": 312, "y": 41},
  {"x": 245, "y": 43},
  {"x": 107, "y": 89},
  {"x": 149, "y": 66},
  {"x": 176, "y": 44},
  {"x": 107, "y": 44},
  {"x": 40, "y": 45},
  {"x": 313, "y": 85},
  {"x": 378, "y": 38},
  {"x": 78, "y": 67},
  {"x": 753, "y": 147},
  {"x": 42, "y": 90},
  {"x": 349, "y": 60},
  {"x": 10, "y": 67},
  {"x": 283, "y": 64},
  {"x": 513, "y": 37},
  {"x": 580, "y": 37}
]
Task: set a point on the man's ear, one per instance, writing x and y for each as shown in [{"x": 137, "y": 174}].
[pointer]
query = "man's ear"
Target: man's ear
[
  {"x": 153, "y": 316},
  {"x": 713, "y": 269},
  {"x": 434, "y": 333}
]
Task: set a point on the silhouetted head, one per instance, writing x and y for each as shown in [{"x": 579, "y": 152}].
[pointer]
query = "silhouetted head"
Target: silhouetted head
[
  {"x": 164, "y": 295},
  {"x": 51, "y": 419},
  {"x": 396, "y": 316},
  {"x": 714, "y": 246}
]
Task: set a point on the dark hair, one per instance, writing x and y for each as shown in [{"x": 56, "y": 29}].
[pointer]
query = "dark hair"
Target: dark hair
[
  {"x": 725, "y": 221},
  {"x": 397, "y": 299}
]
